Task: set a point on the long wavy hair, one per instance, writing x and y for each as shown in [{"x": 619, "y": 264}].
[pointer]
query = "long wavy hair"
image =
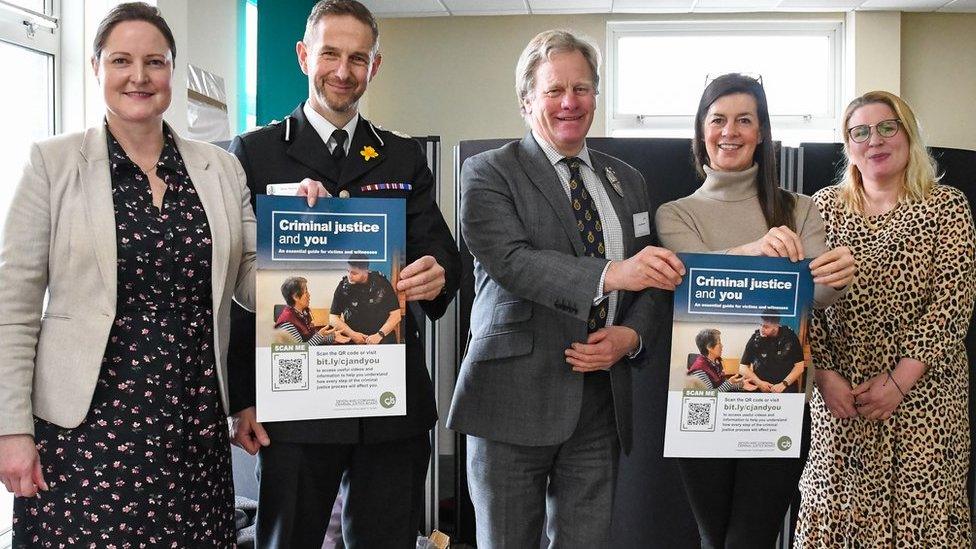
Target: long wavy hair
[
  {"x": 776, "y": 204},
  {"x": 921, "y": 172}
]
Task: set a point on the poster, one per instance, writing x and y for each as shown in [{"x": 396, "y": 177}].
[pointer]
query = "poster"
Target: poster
[
  {"x": 329, "y": 322},
  {"x": 740, "y": 358}
]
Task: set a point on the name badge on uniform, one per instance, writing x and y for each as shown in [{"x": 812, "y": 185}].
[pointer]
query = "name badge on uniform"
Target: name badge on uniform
[
  {"x": 283, "y": 189},
  {"x": 642, "y": 224}
]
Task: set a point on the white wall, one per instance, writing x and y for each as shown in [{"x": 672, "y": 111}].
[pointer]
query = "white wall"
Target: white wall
[
  {"x": 211, "y": 44},
  {"x": 938, "y": 75},
  {"x": 929, "y": 59},
  {"x": 873, "y": 52}
]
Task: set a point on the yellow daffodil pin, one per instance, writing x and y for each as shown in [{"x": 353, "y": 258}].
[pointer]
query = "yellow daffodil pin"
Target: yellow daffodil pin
[{"x": 368, "y": 153}]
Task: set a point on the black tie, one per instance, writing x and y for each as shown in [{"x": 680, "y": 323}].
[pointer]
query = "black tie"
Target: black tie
[
  {"x": 591, "y": 231},
  {"x": 339, "y": 152}
]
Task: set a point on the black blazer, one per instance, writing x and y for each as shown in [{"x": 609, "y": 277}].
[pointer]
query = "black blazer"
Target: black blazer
[{"x": 290, "y": 151}]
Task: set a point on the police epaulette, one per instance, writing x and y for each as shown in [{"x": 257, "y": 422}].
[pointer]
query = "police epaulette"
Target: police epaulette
[
  {"x": 266, "y": 127},
  {"x": 372, "y": 128},
  {"x": 289, "y": 129},
  {"x": 394, "y": 132}
]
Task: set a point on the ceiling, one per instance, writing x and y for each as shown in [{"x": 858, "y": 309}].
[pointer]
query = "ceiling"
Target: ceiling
[{"x": 431, "y": 8}]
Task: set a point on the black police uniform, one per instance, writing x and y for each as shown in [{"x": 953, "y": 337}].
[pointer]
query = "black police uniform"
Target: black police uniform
[
  {"x": 366, "y": 307},
  {"x": 384, "y": 458},
  {"x": 773, "y": 358}
]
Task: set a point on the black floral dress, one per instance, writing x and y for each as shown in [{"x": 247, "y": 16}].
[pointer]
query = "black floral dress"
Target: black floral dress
[{"x": 150, "y": 464}]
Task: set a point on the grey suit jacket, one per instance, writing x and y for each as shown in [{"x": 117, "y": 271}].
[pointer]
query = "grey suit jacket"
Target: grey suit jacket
[
  {"x": 533, "y": 291},
  {"x": 59, "y": 238}
]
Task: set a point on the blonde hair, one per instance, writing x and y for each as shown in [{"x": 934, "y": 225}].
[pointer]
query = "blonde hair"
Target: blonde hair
[{"x": 921, "y": 171}]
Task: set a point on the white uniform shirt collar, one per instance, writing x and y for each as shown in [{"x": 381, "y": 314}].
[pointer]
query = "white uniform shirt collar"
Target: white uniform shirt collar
[
  {"x": 555, "y": 156},
  {"x": 325, "y": 128}
]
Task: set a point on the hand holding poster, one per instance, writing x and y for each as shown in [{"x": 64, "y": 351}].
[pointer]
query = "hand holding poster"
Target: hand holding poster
[
  {"x": 328, "y": 317},
  {"x": 738, "y": 357}
]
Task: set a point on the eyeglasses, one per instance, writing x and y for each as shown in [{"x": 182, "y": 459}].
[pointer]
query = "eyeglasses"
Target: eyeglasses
[{"x": 885, "y": 128}]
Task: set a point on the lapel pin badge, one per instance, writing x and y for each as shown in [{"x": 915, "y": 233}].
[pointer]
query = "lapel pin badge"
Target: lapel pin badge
[
  {"x": 368, "y": 153},
  {"x": 614, "y": 182}
]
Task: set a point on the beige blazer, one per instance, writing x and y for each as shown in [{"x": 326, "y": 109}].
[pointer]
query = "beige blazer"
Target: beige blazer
[{"x": 59, "y": 238}]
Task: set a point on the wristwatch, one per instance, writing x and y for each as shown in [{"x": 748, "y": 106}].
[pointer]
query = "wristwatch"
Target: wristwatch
[{"x": 381, "y": 333}]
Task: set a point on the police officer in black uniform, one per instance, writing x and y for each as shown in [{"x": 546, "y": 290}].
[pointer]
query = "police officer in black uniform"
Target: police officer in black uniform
[
  {"x": 775, "y": 355},
  {"x": 365, "y": 302},
  {"x": 326, "y": 145}
]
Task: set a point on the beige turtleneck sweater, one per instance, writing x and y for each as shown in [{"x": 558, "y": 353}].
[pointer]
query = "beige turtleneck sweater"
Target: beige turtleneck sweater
[{"x": 724, "y": 213}]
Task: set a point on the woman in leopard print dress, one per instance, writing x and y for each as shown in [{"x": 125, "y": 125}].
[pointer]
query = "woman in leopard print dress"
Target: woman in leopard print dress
[{"x": 890, "y": 426}]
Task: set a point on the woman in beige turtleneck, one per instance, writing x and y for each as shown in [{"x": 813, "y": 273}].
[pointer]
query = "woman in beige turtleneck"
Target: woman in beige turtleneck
[{"x": 740, "y": 209}]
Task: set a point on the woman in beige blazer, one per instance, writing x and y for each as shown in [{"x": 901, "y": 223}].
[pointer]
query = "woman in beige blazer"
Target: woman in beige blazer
[{"x": 113, "y": 394}]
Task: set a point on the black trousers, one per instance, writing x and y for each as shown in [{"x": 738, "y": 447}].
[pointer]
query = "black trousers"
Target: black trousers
[
  {"x": 382, "y": 487},
  {"x": 740, "y": 503}
]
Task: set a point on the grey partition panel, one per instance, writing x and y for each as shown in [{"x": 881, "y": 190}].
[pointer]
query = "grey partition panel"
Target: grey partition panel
[
  {"x": 651, "y": 509},
  {"x": 429, "y": 335},
  {"x": 821, "y": 163}
]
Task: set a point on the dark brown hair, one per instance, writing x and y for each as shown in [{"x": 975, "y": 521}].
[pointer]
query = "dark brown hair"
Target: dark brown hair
[
  {"x": 776, "y": 203},
  {"x": 292, "y": 287},
  {"x": 131, "y": 11},
  {"x": 342, "y": 7},
  {"x": 359, "y": 261},
  {"x": 705, "y": 339}
]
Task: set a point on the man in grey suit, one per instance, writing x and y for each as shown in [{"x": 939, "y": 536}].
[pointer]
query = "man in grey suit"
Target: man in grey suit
[{"x": 561, "y": 237}]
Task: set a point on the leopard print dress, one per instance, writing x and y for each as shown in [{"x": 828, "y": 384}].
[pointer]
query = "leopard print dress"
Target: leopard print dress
[{"x": 900, "y": 482}]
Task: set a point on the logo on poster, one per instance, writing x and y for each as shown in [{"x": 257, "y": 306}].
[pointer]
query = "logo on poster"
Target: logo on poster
[
  {"x": 784, "y": 443},
  {"x": 388, "y": 400}
]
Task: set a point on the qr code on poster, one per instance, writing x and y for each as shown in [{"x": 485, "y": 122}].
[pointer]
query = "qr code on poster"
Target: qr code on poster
[
  {"x": 289, "y": 371},
  {"x": 698, "y": 414}
]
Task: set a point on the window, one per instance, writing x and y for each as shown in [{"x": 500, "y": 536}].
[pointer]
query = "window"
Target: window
[
  {"x": 29, "y": 49},
  {"x": 657, "y": 71}
]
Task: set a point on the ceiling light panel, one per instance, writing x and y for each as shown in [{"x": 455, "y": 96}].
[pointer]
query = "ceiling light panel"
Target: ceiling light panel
[
  {"x": 405, "y": 8},
  {"x": 820, "y": 5},
  {"x": 903, "y": 5},
  {"x": 960, "y": 6},
  {"x": 652, "y": 6},
  {"x": 570, "y": 6},
  {"x": 736, "y": 5},
  {"x": 480, "y": 7}
]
